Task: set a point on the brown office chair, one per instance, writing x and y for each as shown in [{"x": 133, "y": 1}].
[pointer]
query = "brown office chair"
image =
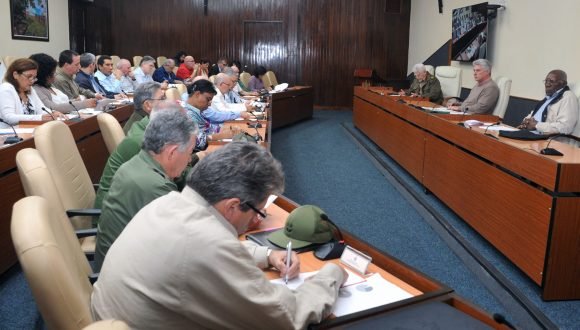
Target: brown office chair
[
  {"x": 107, "y": 325},
  {"x": 58, "y": 282},
  {"x": 111, "y": 130},
  {"x": 37, "y": 181},
  {"x": 272, "y": 77},
  {"x": 56, "y": 145}
]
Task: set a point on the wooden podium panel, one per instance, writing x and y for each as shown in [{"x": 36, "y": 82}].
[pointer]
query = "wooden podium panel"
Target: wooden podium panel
[
  {"x": 291, "y": 106},
  {"x": 485, "y": 197}
]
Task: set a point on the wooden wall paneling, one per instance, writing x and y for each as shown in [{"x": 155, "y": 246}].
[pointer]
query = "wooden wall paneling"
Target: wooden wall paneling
[{"x": 265, "y": 44}]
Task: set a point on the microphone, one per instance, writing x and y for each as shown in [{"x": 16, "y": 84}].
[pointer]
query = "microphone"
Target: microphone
[
  {"x": 490, "y": 135},
  {"x": 460, "y": 123},
  {"x": 11, "y": 139},
  {"x": 551, "y": 151},
  {"x": 501, "y": 320},
  {"x": 332, "y": 249},
  {"x": 77, "y": 110},
  {"x": 44, "y": 109},
  {"x": 257, "y": 137}
]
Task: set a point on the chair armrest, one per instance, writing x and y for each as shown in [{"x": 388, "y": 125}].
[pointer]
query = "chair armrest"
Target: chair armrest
[
  {"x": 93, "y": 277},
  {"x": 86, "y": 232},
  {"x": 83, "y": 213}
]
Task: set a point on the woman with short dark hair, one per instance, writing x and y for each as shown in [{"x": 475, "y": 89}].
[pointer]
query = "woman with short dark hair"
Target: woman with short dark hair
[{"x": 256, "y": 83}]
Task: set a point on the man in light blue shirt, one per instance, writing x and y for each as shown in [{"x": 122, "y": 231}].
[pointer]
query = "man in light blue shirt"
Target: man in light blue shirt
[{"x": 105, "y": 75}]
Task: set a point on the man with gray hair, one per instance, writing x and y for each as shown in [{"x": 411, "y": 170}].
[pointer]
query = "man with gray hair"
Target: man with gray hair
[
  {"x": 165, "y": 73},
  {"x": 180, "y": 263},
  {"x": 144, "y": 73},
  {"x": 224, "y": 84},
  {"x": 483, "y": 96},
  {"x": 146, "y": 96},
  {"x": 125, "y": 76},
  {"x": 166, "y": 151},
  {"x": 424, "y": 85},
  {"x": 85, "y": 77}
]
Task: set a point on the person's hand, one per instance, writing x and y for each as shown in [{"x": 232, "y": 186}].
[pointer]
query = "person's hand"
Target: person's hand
[
  {"x": 99, "y": 96},
  {"x": 278, "y": 259},
  {"x": 345, "y": 273},
  {"x": 401, "y": 93},
  {"x": 164, "y": 85},
  {"x": 249, "y": 107},
  {"x": 414, "y": 95},
  {"x": 90, "y": 103},
  {"x": 245, "y": 115},
  {"x": 528, "y": 123},
  {"x": 55, "y": 116}
]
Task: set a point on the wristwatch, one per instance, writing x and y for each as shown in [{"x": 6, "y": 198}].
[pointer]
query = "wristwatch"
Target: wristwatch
[{"x": 268, "y": 252}]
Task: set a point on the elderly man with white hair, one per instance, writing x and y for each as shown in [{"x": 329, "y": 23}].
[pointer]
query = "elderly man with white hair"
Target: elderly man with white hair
[
  {"x": 424, "y": 85},
  {"x": 223, "y": 83},
  {"x": 483, "y": 96},
  {"x": 126, "y": 76}
]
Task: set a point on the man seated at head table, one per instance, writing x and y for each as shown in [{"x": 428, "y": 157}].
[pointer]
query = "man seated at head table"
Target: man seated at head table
[
  {"x": 424, "y": 85},
  {"x": 558, "y": 112},
  {"x": 51, "y": 97},
  {"x": 125, "y": 76},
  {"x": 165, "y": 73},
  {"x": 148, "y": 96},
  {"x": 18, "y": 100},
  {"x": 68, "y": 67},
  {"x": 179, "y": 262},
  {"x": 167, "y": 147},
  {"x": 201, "y": 93},
  {"x": 483, "y": 96},
  {"x": 105, "y": 77}
]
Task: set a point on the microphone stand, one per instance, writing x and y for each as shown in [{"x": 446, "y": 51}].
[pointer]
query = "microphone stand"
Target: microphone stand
[
  {"x": 44, "y": 109},
  {"x": 490, "y": 135},
  {"x": 461, "y": 122},
  {"x": 77, "y": 110},
  {"x": 11, "y": 139},
  {"x": 551, "y": 151}
]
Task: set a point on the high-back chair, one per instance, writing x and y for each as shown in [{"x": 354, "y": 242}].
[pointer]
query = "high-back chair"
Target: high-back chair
[
  {"x": 111, "y": 130},
  {"x": 137, "y": 60},
  {"x": 450, "y": 79},
  {"x": 172, "y": 94},
  {"x": 212, "y": 79},
  {"x": 267, "y": 82},
  {"x": 107, "y": 325},
  {"x": 430, "y": 69},
  {"x": 115, "y": 60},
  {"x": 272, "y": 77},
  {"x": 55, "y": 143},
  {"x": 181, "y": 88},
  {"x": 505, "y": 85},
  {"x": 161, "y": 60},
  {"x": 37, "y": 181},
  {"x": 60, "y": 287},
  {"x": 8, "y": 60},
  {"x": 245, "y": 78}
]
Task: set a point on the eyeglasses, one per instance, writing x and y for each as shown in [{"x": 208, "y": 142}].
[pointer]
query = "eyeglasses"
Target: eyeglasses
[
  {"x": 162, "y": 98},
  {"x": 550, "y": 81},
  {"x": 261, "y": 213},
  {"x": 32, "y": 79}
]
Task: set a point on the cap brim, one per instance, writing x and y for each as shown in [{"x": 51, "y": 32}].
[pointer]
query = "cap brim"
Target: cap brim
[{"x": 279, "y": 239}]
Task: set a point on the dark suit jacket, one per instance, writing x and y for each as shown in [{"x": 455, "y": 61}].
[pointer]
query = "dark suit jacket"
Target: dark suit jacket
[
  {"x": 213, "y": 70},
  {"x": 84, "y": 81}
]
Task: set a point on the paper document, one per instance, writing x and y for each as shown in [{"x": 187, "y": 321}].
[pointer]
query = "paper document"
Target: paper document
[
  {"x": 9, "y": 131},
  {"x": 357, "y": 294},
  {"x": 499, "y": 128}
]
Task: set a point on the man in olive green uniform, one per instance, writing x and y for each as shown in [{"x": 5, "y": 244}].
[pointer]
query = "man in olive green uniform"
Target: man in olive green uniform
[
  {"x": 167, "y": 147},
  {"x": 425, "y": 85}
]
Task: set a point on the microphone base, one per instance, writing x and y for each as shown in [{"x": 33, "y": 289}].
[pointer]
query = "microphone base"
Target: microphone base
[
  {"x": 75, "y": 119},
  {"x": 254, "y": 125},
  {"x": 551, "y": 152},
  {"x": 12, "y": 140}
]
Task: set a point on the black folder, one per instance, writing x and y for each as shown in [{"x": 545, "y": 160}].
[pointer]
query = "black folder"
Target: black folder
[{"x": 523, "y": 135}]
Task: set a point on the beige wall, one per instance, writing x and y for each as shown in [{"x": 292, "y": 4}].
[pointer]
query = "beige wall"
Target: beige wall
[
  {"x": 526, "y": 40},
  {"x": 58, "y": 32}
]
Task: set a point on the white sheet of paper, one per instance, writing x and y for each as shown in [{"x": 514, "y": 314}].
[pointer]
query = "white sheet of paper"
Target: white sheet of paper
[
  {"x": 499, "y": 128},
  {"x": 294, "y": 283},
  {"x": 9, "y": 131}
]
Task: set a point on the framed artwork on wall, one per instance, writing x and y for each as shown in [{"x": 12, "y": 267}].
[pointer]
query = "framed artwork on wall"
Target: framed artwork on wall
[{"x": 29, "y": 19}]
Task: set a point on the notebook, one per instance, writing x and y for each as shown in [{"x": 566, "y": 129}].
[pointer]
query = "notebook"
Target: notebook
[{"x": 523, "y": 135}]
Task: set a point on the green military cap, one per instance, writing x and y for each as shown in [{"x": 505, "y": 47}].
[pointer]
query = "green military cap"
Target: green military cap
[{"x": 304, "y": 227}]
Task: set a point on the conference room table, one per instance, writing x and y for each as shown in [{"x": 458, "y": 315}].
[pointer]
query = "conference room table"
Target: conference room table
[
  {"x": 524, "y": 203},
  {"x": 421, "y": 287},
  {"x": 291, "y": 106}
]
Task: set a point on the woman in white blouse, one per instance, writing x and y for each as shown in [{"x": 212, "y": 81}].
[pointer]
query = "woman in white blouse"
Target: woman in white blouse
[
  {"x": 18, "y": 101},
  {"x": 50, "y": 96}
]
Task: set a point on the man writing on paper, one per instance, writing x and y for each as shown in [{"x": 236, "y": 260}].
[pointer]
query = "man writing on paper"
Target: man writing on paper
[
  {"x": 483, "y": 96},
  {"x": 424, "y": 85},
  {"x": 558, "y": 111},
  {"x": 179, "y": 262}
]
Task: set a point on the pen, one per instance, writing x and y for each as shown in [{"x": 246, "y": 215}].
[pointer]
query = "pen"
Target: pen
[{"x": 288, "y": 256}]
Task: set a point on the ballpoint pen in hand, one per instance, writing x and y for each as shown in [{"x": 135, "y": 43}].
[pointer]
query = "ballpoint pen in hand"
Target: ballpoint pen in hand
[{"x": 288, "y": 257}]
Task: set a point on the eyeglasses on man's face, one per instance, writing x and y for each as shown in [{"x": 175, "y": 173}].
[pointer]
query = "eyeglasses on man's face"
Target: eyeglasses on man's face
[{"x": 260, "y": 213}]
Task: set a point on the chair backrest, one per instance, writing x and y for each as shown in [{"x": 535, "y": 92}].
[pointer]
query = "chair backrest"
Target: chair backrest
[
  {"x": 111, "y": 130},
  {"x": 37, "y": 181},
  {"x": 272, "y": 77},
  {"x": 450, "y": 79},
  {"x": 161, "y": 60},
  {"x": 430, "y": 69},
  {"x": 575, "y": 88},
  {"x": 212, "y": 79},
  {"x": 505, "y": 85},
  {"x": 107, "y": 325},
  {"x": 172, "y": 94},
  {"x": 137, "y": 60},
  {"x": 115, "y": 59},
  {"x": 8, "y": 60},
  {"x": 55, "y": 143},
  {"x": 267, "y": 82},
  {"x": 61, "y": 289},
  {"x": 245, "y": 78},
  {"x": 181, "y": 88}
]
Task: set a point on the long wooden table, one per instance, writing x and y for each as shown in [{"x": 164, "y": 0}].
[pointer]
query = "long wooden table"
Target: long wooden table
[
  {"x": 92, "y": 149},
  {"x": 292, "y": 105},
  {"x": 420, "y": 286},
  {"x": 527, "y": 205}
]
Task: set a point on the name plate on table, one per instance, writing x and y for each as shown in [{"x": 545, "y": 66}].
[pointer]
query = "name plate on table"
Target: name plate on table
[{"x": 355, "y": 259}]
